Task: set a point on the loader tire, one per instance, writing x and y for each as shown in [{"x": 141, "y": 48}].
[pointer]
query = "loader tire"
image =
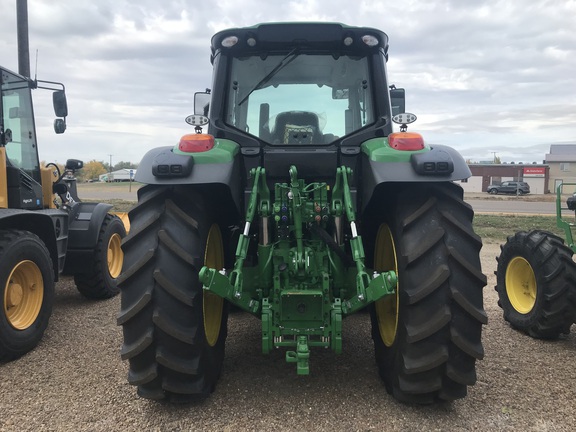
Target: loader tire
[
  {"x": 100, "y": 281},
  {"x": 536, "y": 284},
  {"x": 427, "y": 337},
  {"x": 174, "y": 333},
  {"x": 26, "y": 292}
]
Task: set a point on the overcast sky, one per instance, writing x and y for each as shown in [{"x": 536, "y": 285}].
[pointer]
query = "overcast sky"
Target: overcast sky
[{"x": 482, "y": 76}]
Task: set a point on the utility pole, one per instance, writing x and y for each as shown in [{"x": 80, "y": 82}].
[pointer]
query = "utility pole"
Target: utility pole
[
  {"x": 110, "y": 169},
  {"x": 22, "y": 30},
  {"x": 494, "y": 157}
]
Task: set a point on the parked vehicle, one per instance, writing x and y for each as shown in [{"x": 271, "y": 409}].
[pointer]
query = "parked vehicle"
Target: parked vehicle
[{"x": 509, "y": 187}]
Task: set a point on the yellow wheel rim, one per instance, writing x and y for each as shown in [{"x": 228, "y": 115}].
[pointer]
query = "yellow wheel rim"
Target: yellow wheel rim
[
  {"x": 387, "y": 307},
  {"x": 115, "y": 255},
  {"x": 213, "y": 304},
  {"x": 23, "y": 295},
  {"x": 521, "y": 285}
]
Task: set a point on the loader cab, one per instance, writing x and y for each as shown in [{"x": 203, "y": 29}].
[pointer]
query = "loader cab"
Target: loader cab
[
  {"x": 309, "y": 101},
  {"x": 20, "y": 172}
]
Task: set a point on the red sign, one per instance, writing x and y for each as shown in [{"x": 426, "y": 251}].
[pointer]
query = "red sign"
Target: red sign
[{"x": 534, "y": 171}]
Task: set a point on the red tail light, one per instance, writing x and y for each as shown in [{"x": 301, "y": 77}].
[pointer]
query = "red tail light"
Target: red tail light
[
  {"x": 406, "y": 141},
  {"x": 196, "y": 143}
]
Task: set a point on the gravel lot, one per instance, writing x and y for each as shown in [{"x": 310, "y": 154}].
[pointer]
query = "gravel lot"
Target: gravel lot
[{"x": 74, "y": 380}]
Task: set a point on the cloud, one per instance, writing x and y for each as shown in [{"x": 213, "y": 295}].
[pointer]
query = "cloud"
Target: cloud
[{"x": 494, "y": 75}]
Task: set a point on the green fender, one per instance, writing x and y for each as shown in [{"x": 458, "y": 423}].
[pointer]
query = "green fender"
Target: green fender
[
  {"x": 216, "y": 171},
  {"x": 382, "y": 165}
]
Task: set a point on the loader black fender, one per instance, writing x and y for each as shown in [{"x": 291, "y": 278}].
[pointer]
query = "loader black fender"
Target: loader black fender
[
  {"x": 86, "y": 219},
  {"x": 174, "y": 333},
  {"x": 427, "y": 337},
  {"x": 536, "y": 284},
  {"x": 26, "y": 292}
]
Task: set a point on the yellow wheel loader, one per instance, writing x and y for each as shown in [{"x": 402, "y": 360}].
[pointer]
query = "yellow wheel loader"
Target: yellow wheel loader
[{"x": 45, "y": 230}]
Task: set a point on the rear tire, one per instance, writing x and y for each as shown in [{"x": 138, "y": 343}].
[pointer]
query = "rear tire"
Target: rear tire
[
  {"x": 536, "y": 284},
  {"x": 26, "y": 292},
  {"x": 174, "y": 333},
  {"x": 100, "y": 281},
  {"x": 493, "y": 191},
  {"x": 427, "y": 337}
]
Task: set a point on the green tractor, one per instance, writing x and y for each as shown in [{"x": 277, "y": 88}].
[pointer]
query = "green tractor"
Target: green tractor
[
  {"x": 536, "y": 276},
  {"x": 302, "y": 206}
]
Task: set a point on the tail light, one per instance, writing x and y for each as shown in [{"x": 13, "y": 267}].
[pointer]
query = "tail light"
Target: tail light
[
  {"x": 196, "y": 143},
  {"x": 406, "y": 141}
]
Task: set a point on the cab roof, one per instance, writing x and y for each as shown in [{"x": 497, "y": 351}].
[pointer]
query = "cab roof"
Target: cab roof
[{"x": 309, "y": 36}]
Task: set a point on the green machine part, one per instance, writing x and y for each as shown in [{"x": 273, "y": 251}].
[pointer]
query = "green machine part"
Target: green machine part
[
  {"x": 566, "y": 224},
  {"x": 304, "y": 281}
]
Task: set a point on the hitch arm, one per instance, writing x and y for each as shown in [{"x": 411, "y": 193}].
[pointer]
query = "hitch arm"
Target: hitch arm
[
  {"x": 231, "y": 287},
  {"x": 367, "y": 290}
]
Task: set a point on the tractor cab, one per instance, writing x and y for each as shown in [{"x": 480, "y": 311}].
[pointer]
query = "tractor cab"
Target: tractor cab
[{"x": 309, "y": 101}]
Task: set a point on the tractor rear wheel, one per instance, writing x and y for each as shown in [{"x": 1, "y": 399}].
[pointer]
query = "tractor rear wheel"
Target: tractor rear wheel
[
  {"x": 100, "y": 281},
  {"x": 26, "y": 292},
  {"x": 427, "y": 337},
  {"x": 536, "y": 284},
  {"x": 174, "y": 332}
]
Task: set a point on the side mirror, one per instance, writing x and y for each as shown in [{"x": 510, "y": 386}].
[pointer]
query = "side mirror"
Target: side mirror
[
  {"x": 59, "y": 126},
  {"x": 60, "y": 104},
  {"x": 398, "y": 101},
  {"x": 201, "y": 103}
]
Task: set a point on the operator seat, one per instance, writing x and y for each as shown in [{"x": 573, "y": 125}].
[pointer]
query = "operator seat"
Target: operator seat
[{"x": 297, "y": 127}]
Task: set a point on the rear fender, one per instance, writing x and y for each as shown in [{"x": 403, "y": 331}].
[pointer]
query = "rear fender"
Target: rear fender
[
  {"x": 85, "y": 222},
  {"x": 381, "y": 164},
  {"x": 216, "y": 172}
]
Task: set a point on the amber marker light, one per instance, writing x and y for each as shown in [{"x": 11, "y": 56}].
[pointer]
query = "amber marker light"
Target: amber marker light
[
  {"x": 196, "y": 143},
  {"x": 406, "y": 141}
]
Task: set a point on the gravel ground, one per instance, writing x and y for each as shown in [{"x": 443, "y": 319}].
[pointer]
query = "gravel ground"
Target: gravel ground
[{"x": 75, "y": 381}]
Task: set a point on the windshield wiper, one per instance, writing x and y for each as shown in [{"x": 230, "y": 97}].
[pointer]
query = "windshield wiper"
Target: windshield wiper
[{"x": 281, "y": 65}]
